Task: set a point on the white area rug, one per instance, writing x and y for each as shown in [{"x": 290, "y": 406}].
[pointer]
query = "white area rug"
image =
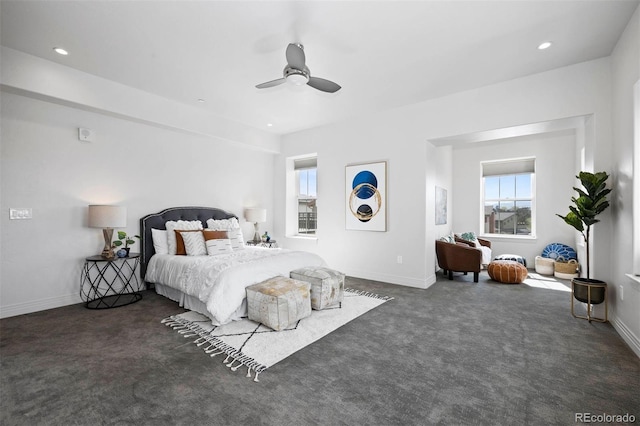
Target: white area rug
[{"x": 257, "y": 347}]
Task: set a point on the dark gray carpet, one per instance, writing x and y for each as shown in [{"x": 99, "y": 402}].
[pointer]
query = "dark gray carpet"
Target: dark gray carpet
[{"x": 456, "y": 353}]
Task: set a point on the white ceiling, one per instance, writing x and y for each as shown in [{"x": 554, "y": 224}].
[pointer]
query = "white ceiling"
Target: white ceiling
[{"x": 384, "y": 54}]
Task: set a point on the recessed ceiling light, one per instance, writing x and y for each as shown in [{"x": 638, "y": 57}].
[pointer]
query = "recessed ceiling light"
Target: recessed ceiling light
[
  {"x": 201, "y": 100},
  {"x": 545, "y": 45},
  {"x": 60, "y": 51},
  {"x": 269, "y": 125}
]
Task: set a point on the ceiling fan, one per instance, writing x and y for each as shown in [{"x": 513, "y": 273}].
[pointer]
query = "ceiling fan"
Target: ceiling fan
[{"x": 296, "y": 72}]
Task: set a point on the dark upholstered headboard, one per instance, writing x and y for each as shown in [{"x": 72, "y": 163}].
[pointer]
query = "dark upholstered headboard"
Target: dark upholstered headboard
[{"x": 157, "y": 221}]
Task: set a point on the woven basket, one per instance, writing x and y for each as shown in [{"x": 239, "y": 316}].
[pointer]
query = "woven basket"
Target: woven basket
[{"x": 570, "y": 267}]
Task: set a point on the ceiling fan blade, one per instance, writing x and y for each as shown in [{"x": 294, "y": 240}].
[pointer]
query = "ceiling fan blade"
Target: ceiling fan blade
[
  {"x": 295, "y": 56},
  {"x": 271, "y": 83},
  {"x": 323, "y": 85}
]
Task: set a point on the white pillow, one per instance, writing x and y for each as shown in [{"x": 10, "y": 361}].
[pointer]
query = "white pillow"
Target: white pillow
[
  {"x": 160, "y": 244},
  {"x": 172, "y": 225},
  {"x": 221, "y": 246},
  {"x": 194, "y": 243},
  {"x": 236, "y": 237},
  {"x": 223, "y": 224}
]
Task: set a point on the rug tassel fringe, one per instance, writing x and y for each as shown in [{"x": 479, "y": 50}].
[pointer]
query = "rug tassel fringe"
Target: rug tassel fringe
[{"x": 366, "y": 293}]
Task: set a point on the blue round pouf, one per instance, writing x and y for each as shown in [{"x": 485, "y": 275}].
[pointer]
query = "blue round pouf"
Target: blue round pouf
[{"x": 557, "y": 251}]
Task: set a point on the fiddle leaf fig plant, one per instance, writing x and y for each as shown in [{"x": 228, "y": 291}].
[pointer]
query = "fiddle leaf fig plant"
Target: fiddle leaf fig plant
[
  {"x": 123, "y": 238},
  {"x": 591, "y": 201}
]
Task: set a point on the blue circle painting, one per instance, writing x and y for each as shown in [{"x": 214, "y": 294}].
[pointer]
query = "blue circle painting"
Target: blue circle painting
[{"x": 368, "y": 182}]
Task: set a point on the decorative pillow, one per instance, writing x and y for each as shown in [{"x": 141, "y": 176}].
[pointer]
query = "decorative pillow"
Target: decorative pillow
[
  {"x": 236, "y": 237},
  {"x": 193, "y": 243},
  {"x": 172, "y": 225},
  {"x": 448, "y": 239},
  {"x": 160, "y": 244},
  {"x": 223, "y": 224},
  {"x": 214, "y": 235},
  {"x": 180, "y": 248},
  {"x": 471, "y": 236},
  {"x": 218, "y": 246}
]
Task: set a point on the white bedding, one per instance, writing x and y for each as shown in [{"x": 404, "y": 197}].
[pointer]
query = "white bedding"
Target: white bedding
[{"x": 220, "y": 281}]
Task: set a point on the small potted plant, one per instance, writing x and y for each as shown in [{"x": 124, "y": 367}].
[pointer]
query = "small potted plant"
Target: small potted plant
[
  {"x": 123, "y": 238},
  {"x": 592, "y": 201}
]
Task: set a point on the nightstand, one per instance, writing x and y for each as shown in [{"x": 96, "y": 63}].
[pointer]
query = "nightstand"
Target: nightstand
[{"x": 110, "y": 283}]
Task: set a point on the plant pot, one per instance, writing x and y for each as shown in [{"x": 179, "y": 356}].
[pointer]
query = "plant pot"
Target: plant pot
[{"x": 581, "y": 288}]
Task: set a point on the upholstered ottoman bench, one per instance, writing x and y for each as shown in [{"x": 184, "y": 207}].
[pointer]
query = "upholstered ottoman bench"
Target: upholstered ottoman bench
[
  {"x": 327, "y": 285},
  {"x": 278, "y": 302},
  {"x": 507, "y": 271}
]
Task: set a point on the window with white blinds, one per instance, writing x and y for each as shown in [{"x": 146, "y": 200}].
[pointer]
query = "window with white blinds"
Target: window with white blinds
[
  {"x": 306, "y": 170},
  {"x": 508, "y": 197}
]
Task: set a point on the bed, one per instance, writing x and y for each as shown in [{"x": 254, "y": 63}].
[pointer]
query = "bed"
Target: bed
[{"x": 213, "y": 285}]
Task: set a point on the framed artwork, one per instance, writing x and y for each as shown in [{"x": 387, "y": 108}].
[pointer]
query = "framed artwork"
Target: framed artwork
[
  {"x": 441, "y": 206},
  {"x": 366, "y": 196}
]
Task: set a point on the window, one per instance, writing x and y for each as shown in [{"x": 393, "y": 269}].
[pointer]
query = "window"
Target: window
[
  {"x": 307, "y": 194},
  {"x": 508, "y": 197}
]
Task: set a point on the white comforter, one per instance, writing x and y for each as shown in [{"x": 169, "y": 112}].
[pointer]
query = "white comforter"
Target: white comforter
[{"x": 220, "y": 281}]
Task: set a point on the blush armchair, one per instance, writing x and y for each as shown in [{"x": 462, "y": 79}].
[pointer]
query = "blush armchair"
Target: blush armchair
[{"x": 458, "y": 257}]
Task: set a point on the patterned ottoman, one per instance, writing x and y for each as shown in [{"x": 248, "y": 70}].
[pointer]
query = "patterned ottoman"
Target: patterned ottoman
[
  {"x": 278, "y": 302},
  {"x": 514, "y": 257},
  {"x": 327, "y": 285},
  {"x": 507, "y": 271}
]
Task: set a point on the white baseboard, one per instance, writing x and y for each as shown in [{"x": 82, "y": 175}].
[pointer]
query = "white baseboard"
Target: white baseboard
[
  {"x": 38, "y": 305},
  {"x": 392, "y": 279},
  {"x": 627, "y": 335}
]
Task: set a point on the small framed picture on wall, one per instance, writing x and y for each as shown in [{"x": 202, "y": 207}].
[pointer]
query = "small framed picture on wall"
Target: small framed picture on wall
[{"x": 441, "y": 206}]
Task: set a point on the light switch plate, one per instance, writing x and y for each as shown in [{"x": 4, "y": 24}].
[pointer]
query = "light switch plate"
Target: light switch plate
[{"x": 23, "y": 213}]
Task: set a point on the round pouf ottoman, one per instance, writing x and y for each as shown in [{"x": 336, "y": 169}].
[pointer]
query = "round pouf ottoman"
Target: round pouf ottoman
[{"x": 507, "y": 271}]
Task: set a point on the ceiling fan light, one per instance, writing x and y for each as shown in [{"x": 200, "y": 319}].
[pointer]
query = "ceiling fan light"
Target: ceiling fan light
[{"x": 297, "y": 79}]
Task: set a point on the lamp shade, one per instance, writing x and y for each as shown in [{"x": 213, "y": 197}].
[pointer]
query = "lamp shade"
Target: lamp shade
[
  {"x": 107, "y": 216},
  {"x": 255, "y": 215}
]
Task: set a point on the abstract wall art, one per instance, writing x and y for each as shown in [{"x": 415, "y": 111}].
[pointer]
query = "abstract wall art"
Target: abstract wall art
[
  {"x": 366, "y": 196},
  {"x": 441, "y": 206}
]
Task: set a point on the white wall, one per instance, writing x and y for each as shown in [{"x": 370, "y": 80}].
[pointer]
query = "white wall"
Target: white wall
[
  {"x": 145, "y": 168},
  {"x": 624, "y": 292},
  {"x": 370, "y": 255},
  {"x": 555, "y": 171},
  {"x": 400, "y": 136},
  {"x": 443, "y": 178}
]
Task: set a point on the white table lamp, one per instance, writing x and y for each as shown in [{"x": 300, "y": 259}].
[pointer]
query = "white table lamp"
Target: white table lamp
[
  {"x": 256, "y": 216},
  {"x": 107, "y": 218}
]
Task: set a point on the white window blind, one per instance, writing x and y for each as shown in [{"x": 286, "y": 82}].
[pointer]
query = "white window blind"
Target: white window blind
[
  {"x": 305, "y": 163},
  {"x": 509, "y": 167}
]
